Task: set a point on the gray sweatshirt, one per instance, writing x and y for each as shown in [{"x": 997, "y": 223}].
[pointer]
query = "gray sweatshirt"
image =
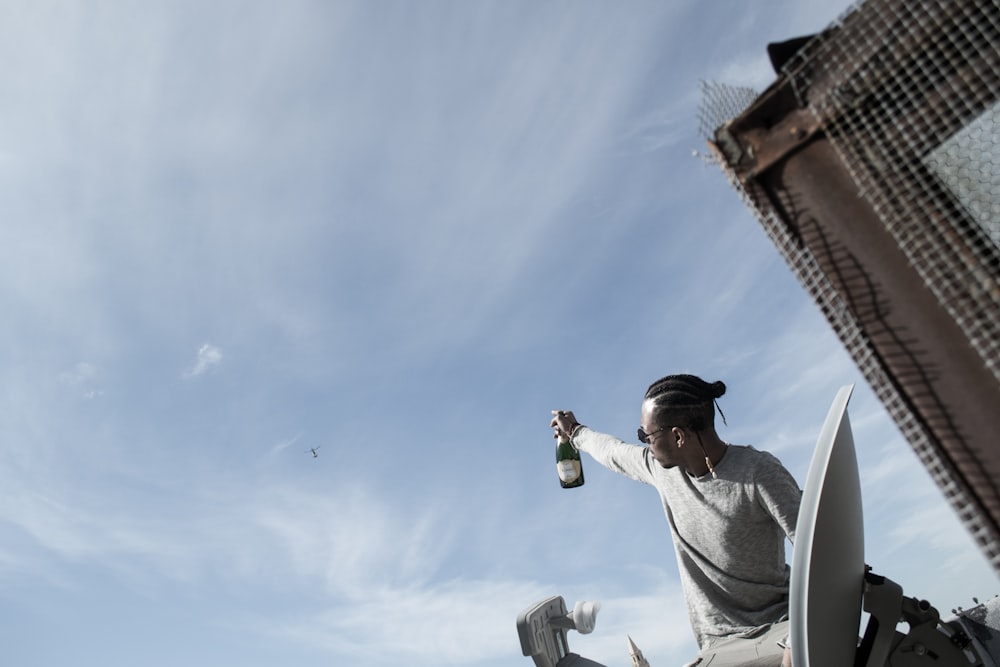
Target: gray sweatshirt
[{"x": 728, "y": 533}]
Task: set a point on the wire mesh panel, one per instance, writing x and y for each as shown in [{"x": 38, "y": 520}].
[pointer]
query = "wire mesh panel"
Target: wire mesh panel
[
  {"x": 870, "y": 164},
  {"x": 929, "y": 69},
  {"x": 969, "y": 165}
]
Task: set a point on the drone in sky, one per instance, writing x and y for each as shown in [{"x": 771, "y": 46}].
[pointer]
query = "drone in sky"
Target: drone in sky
[{"x": 313, "y": 451}]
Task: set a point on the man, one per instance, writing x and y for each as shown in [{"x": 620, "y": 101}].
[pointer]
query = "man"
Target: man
[{"x": 729, "y": 507}]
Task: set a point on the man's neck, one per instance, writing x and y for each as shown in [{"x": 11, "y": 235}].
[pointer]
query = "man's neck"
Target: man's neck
[{"x": 709, "y": 451}]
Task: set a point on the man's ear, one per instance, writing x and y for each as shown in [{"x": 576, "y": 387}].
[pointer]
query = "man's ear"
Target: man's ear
[{"x": 678, "y": 434}]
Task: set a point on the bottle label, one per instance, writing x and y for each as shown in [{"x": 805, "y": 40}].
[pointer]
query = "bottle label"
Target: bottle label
[{"x": 569, "y": 470}]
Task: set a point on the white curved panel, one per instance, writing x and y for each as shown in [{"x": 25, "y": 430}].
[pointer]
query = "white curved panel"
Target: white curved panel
[{"x": 828, "y": 558}]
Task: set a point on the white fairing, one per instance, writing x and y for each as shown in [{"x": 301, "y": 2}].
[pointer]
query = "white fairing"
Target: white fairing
[{"x": 828, "y": 565}]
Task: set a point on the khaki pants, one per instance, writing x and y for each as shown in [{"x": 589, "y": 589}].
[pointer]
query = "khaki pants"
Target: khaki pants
[{"x": 764, "y": 649}]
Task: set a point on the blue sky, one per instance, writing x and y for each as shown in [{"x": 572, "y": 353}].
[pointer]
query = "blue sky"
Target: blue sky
[{"x": 401, "y": 232}]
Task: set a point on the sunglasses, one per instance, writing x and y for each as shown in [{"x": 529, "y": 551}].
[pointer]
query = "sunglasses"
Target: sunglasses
[{"x": 644, "y": 437}]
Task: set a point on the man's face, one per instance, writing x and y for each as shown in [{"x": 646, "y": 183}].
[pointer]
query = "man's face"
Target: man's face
[{"x": 661, "y": 442}]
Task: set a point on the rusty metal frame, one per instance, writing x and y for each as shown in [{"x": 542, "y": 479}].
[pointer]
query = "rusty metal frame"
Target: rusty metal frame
[{"x": 785, "y": 153}]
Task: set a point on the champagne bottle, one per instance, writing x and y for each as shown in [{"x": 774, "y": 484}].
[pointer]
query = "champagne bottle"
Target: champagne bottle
[{"x": 568, "y": 463}]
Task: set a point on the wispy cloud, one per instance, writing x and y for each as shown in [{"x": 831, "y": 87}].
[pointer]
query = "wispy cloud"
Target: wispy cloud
[
  {"x": 458, "y": 622},
  {"x": 209, "y": 356},
  {"x": 378, "y": 565},
  {"x": 285, "y": 444},
  {"x": 345, "y": 539}
]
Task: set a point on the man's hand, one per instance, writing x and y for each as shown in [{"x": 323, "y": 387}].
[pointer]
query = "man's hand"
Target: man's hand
[{"x": 563, "y": 422}]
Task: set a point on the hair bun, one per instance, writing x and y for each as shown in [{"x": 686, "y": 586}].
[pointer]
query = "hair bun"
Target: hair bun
[{"x": 718, "y": 388}]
